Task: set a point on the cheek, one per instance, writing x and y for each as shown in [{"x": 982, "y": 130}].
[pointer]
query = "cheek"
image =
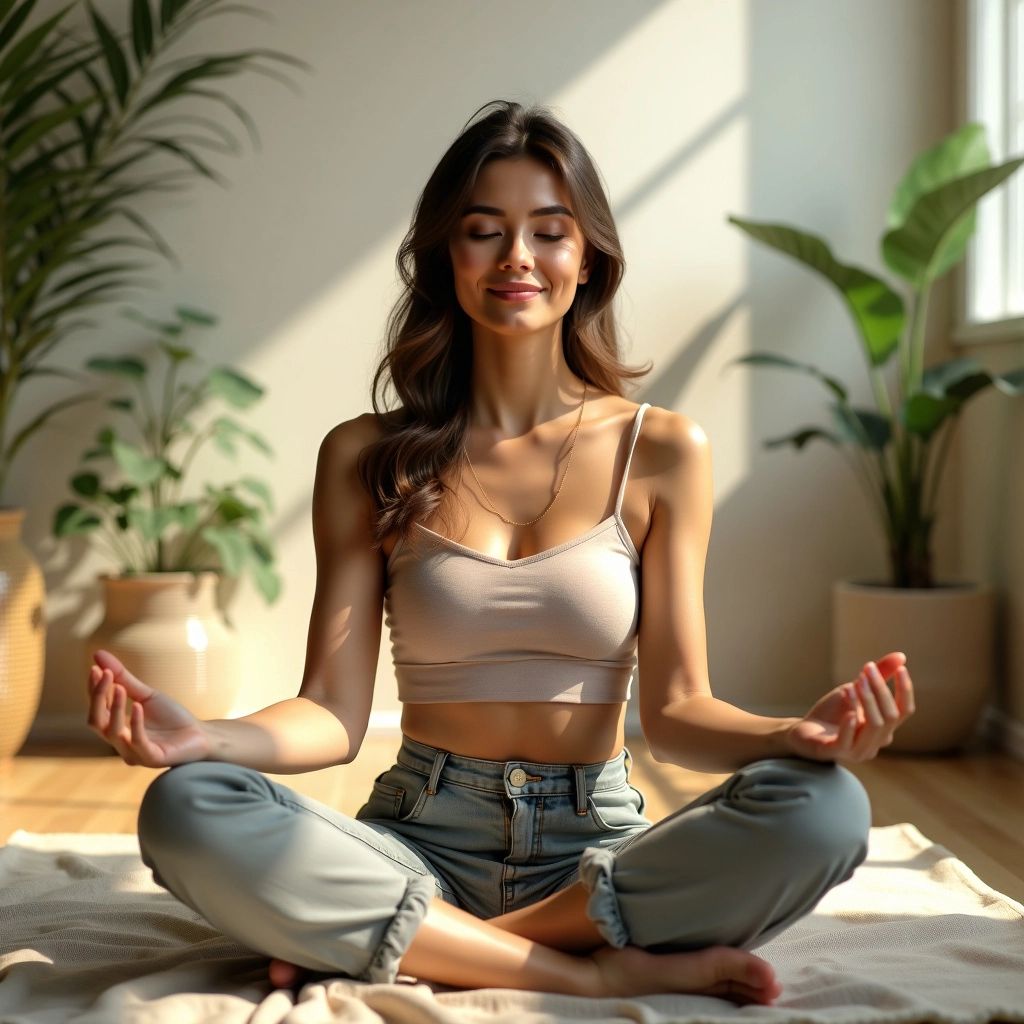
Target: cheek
[{"x": 466, "y": 259}]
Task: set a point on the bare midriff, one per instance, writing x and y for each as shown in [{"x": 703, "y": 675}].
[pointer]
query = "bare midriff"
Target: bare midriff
[{"x": 548, "y": 733}]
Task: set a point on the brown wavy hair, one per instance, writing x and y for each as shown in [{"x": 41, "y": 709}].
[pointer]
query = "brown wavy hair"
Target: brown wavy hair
[{"x": 428, "y": 351}]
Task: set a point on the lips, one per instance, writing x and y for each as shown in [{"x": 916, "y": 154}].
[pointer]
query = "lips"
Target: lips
[{"x": 507, "y": 288}]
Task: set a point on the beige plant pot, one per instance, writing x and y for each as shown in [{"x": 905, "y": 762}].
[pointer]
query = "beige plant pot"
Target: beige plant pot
[
  {"x": 23, "y": 626},
  {"x": 947, "y": 633},
  {"x": 167, "y": 629}
]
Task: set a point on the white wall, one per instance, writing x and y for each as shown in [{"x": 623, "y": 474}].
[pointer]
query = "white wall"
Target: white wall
[{"x": 783, "y": 110}]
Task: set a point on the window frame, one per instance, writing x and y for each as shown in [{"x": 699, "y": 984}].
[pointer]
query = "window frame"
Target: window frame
[{"x": 996, "y": 250}]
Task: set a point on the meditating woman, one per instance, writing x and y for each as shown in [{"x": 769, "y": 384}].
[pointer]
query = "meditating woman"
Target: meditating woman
[{"x": 533, "y": 538}]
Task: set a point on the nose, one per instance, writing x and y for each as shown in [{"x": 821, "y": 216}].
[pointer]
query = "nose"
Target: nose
[{"x": 518, "y": 253}]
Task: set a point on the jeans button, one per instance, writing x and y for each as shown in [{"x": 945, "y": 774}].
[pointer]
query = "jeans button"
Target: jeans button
[{"x": 517, "y": 776}]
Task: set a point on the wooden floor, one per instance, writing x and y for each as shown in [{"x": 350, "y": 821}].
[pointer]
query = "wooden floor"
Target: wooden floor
[{"x": 971, "y": 804}]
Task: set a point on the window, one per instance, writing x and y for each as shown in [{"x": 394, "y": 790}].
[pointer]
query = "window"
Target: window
[{"x": 991, "y": 303}]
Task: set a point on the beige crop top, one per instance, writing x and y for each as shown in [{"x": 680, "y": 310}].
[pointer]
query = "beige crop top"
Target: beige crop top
[{"x": 559, "y": 625}]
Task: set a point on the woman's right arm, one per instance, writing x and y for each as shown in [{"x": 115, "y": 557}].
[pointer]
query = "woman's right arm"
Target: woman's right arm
[{"x": 325, "y": 723}]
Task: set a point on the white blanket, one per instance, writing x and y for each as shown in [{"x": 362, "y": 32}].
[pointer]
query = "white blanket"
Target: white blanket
[{"x": 87, "y": 937}]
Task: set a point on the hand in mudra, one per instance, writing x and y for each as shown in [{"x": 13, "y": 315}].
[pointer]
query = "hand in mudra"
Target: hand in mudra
[
  {"x": 852, "y": 723},
  {"x": 157, "y": 733}
]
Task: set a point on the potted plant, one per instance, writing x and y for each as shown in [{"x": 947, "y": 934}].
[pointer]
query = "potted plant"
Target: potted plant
[
  {"x": 81, "y": 118},
  {"x": 897, "y": 451},
  {"x": 161, "y": 616}
]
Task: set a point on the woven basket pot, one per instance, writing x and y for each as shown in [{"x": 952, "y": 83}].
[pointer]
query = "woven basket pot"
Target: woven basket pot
[{"x": 23, "y": 633}]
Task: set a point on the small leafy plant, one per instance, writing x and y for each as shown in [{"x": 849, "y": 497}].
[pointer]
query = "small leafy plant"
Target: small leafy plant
[{"x": 140, "y": 516}]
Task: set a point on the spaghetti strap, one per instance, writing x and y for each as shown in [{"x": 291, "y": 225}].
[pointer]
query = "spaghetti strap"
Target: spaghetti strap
[{"x": 629, "y": 457}]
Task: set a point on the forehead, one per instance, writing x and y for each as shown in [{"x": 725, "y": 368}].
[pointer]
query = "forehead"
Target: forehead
[{"x": 514, "y": 183}]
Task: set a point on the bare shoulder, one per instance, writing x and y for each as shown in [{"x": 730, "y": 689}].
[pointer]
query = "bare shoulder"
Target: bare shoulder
[{"x": 672, "y": 447}]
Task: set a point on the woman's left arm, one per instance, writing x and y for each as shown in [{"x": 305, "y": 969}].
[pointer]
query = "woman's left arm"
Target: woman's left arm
[{"x": 682, "y": 721}]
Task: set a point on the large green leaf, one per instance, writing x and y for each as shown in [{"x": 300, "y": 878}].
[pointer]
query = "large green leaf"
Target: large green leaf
[
  {"x": 877, "y": 310},
  {"x": 923, "y": 414},
  {"x": 225, "y": 430},
  {"x": 784, "y": 362},
  {"x": 233, "y": 387},
  {"x": 152, "y": 523},
  {"x": 260, "y": 489},
  {"x": 140, "y": 468},
  {"x": 231, "y": 546},
  {"x": 801, "y": 438},
  {"x": 73, "y": 519},
  {"x": 930, "y": 242},
  {"x": 861, "y": 426},
  {"x": 962, "y": 151},
  {"x": 142, "y": 31},
  {"x": 118, "y": 366},
  {"x": 117, "y": 64}
]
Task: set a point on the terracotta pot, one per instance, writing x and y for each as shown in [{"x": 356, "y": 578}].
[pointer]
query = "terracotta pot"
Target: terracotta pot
[
  {"x": 23, "y": 622},
  {"x": 167, "y": 629},
  {"x": 948, "y": 635}
]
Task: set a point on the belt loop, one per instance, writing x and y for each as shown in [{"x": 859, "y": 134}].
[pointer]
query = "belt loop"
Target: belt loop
[
  {"x": 435, "y": 772},
  {"x": 581, "y": 789}
]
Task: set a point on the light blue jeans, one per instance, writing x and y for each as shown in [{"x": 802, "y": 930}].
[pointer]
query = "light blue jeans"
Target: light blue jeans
[{"x": 293, "y": 878}]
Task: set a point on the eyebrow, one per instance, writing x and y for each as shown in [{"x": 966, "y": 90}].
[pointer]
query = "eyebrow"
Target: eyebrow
[{"x": 543, "y": 211}]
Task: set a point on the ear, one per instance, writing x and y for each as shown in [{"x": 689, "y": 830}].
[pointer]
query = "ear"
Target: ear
[{"x": 585, "y": 266}]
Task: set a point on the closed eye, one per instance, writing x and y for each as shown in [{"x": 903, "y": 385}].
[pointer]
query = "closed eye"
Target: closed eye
[{"x": 553, "y": 238}]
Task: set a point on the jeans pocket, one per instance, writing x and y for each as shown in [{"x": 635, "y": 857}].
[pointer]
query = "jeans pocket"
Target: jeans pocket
[
  {"x": 617, "y": 809},
  {"x": 397, "y": 794}
]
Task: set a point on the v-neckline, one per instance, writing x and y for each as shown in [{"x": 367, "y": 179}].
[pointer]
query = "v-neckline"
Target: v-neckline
[{"x": 537, "y": 556}]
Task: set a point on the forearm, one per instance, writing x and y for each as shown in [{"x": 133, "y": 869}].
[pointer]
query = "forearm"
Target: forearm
[
  {"x": 712, "y": 735},
  {"x": 295, "y": 735}
]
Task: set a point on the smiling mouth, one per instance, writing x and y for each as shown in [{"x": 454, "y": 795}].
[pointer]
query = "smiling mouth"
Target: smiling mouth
[{"x": 523, "y": 295}]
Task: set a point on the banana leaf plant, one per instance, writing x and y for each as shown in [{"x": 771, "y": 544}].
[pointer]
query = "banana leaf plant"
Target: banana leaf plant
[
  {"x": 898, "y": 449},
  {"x": 141, "y": 516},
  {"x": 78, "y": 118}
]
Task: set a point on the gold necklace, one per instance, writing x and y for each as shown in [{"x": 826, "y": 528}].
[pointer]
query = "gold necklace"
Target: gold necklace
[{"x": 512, "y": 522}]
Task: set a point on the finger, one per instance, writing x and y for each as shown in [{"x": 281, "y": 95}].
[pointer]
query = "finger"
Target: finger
[
  {"x": 888, "y": 663},
  {"x": 886, "y": 703},
  {"x": 117, "y": 712},
  {"x": 115, "y": 730},
  {"x": 867, "y": 697},
  {"x": 905, "y": 693},
  {"x": 136, "y": 688},
  {"x": 98, "y": 715},
  {"x": 847, "y": 732},
  {"x": 140, "y": 741}
]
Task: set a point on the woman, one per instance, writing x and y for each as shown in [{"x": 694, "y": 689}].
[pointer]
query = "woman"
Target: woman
[{"x": 506, "y": 846}]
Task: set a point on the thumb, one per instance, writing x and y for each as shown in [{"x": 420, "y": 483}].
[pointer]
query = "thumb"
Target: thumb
[{"x": 136, "y": 688}]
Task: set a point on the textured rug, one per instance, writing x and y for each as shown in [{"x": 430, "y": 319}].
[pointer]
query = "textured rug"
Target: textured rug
[{"x": 87, "y": 937}]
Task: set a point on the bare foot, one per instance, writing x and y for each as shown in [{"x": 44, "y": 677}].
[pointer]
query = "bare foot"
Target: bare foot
[
  {"x": 715, "y": 971},
  {"x": 284, "y": 974}
]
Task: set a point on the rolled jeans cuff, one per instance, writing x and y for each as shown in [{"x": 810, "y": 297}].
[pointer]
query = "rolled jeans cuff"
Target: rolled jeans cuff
[
  {"x": 602, "y": 908},
  {"x": 412, "y": 908}
]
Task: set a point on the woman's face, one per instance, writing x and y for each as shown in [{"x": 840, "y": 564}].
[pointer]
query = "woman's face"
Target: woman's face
[{"x": 502, "y": 239}]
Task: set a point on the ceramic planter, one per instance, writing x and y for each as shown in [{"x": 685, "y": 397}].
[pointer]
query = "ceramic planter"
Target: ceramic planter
[
  {"x": 167, "y": 629},
  {"x": 948, "y": 635}
]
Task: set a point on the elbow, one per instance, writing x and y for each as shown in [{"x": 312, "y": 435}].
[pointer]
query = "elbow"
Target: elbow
[{"x": 652, "y": 739}]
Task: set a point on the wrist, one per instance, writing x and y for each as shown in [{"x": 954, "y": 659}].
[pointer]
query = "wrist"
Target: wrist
[{"x": 783, "y": 746}]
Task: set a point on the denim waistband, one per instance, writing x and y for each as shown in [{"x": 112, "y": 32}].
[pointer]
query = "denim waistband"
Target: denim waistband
[{"x": 514, "y": 778}]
